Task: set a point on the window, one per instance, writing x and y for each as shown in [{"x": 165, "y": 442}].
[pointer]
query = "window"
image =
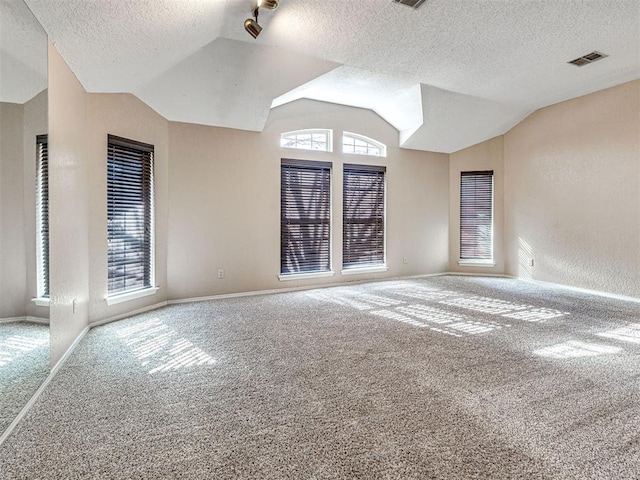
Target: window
[
  {"x": 360, "y": 145},
  {"x": 476, "y": 217},
  {"x": 363, "y": 216},
  {"x": 42, "y": 215},
  {"x": 305, "y": 217},
  {"x": 129, "y": 215},
  {"x": 317, "y": 139}
]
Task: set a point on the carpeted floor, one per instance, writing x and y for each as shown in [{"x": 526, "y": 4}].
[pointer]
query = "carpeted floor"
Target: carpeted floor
[
  {"x": 440, "y": 377},
  {"x": 24, "y": 364}
]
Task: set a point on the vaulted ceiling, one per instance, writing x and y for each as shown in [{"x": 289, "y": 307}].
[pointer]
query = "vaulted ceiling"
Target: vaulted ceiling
[{"x": 447, "y": 75}]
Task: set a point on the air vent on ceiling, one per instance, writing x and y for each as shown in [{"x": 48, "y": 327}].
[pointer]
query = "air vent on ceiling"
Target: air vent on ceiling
[
  {"x": 587, "y": 59},
  {"x": 410, "y": 3}
]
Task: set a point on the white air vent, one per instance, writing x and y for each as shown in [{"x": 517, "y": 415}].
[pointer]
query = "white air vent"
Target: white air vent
[
  {"x": 410, "y": 3},
  {"x": 587, "y": 59}
]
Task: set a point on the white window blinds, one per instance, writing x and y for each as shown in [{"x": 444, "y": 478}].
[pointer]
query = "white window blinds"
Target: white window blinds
[
  {"x": 363, "y": 216},
  {"x": 129, "y": 215},
  {"x": 476, "y": 215},
  {"x": 305, "y": 219},
  {"x": 42, "y": 214}
]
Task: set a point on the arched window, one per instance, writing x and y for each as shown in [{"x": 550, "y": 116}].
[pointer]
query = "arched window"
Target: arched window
[
  {"x": 314, "y": 139},
  {"x": 361, "y": 145}
]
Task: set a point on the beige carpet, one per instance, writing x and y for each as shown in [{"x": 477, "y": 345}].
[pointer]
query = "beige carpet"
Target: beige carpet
[
  {"x": 443, "y": 377},
  {"x": 24, "y": 364}
]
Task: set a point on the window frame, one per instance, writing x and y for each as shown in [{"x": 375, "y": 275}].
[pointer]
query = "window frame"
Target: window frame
[
  {"x": 310, "y": 131},
  {"x": 145, "y": 154},
  {"x": 369, "y": 141},
  {"x": 375, "y": 172},
  {"x": 471, "y": 222},
  {"x": 321, "y": 266}
]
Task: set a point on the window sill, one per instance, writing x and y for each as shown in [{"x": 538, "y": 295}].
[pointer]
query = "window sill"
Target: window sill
[
  {"x": 304, "y": 276},
  {"x": 41, "y": 301},
  {"x": 125, "y": 297},
  {"x": 365, "y": 269},
  {"x": 477, "y": 263}
]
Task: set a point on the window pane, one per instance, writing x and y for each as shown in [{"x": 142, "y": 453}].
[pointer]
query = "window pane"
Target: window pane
[
  {"x": 42, "y": 215},
  {"x": 129, "y": 215},
  {"x": 305, "y": 217},
  {"x": 476, "y": 215},
  {"x": 363, "y": 216},
  {"x": 359, "y": 145},
  {"x": 307, "y": 140}
]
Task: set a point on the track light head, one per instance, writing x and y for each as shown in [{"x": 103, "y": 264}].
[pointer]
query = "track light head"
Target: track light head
[
  {"x": 268, "y": 4},
  {"x": 252, "y": 27}
]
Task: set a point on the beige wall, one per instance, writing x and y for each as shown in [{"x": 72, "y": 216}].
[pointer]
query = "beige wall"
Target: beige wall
[
  {"x": 19, "y": 126},
  {"x": 572, "y": 176},
  {"x": 484, "y": 156},
  {"x": 13, "y": 279},
  {"x": 218, "y": 196},
  {"x": 80, "y": 123},
  {"x": 68, "y": 205},
  {"x": 224, "y": 201},
  {"x": 125, "y": 116}
]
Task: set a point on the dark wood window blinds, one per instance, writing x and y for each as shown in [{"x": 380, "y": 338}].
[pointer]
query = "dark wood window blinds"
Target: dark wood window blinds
[
  {"x": 305, "y": 216},
  {"x": 363, "y": 216},
  {"x": 476, "y": 215},
  {"x": 42, "y": 213},
  {"x": 129, "y": 215}
]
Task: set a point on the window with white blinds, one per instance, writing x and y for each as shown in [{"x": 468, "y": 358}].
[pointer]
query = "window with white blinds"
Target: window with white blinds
[
  {"x": 129, "y": 215},
  {"x": 363, "y": 216},
  {"x": 42, "y": 215},
  {"x": 476, "y": 216},
  {"x": 305, "y": 218}
]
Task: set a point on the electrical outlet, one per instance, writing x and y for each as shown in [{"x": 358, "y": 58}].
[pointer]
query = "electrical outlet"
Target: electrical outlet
[
  {"x": 221, "y": 273},
  {"x": 405, "y": 260}
]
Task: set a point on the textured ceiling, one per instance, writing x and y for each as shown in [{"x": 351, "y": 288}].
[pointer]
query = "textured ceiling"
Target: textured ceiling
[
  {"x": 448, "y": 75},
  {"x": 23, "y": 53}
]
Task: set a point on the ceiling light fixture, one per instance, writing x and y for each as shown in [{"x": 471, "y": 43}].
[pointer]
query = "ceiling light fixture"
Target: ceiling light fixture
[
  {"x": 268, "y": 4},
  {"x": 251, "y": 25}
]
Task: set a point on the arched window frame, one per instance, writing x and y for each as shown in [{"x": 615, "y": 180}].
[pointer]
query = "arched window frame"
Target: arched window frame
[
  {"x": 372, "y": 146},
  {"x": 317, "y": 138}
]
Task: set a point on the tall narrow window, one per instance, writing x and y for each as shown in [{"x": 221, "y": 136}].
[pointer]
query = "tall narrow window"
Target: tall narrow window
[
  {"x": 363, "y": 216},
  {"x": 305, "y": 219},
  {"x": 476, "y": 216},
  {"x": 42, "y": 215},
  {"x": 129, "y": 215}
]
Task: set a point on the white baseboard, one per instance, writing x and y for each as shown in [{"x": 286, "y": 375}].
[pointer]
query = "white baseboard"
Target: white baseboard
[
  {"x": 44, "y": 321},
  {"x": 104, "y": 321},
  {"x": 292, "y": 289},
  {"x": 12, "y": 319},
  {"x": 40, "y": 320},
  {"x": 467, "y": 274}
]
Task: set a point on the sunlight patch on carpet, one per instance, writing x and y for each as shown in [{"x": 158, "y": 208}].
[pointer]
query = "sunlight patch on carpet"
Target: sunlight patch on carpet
[
  {"x": 493, "y": 306},
  {"x": 575, "y": 349},
  {"x": 441, "y": 321},
  {"x": 160, "y": 349},
  {"x": 353, "y": 299},
  {"x": 630, "y": 333},
  {"x": 15, "y": 346}
]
